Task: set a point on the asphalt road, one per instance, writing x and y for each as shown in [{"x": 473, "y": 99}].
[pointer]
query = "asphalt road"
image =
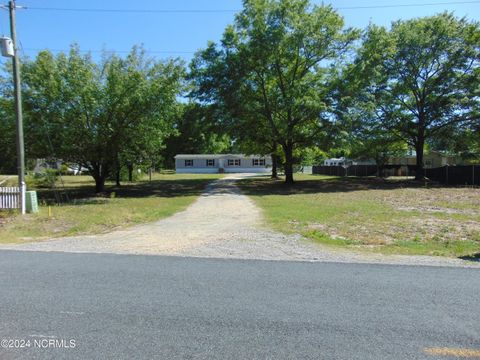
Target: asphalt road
[{"x": 146, "y": 307}]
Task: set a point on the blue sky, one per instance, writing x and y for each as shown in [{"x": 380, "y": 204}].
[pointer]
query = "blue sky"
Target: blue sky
[{"x": 173, "y": 34}]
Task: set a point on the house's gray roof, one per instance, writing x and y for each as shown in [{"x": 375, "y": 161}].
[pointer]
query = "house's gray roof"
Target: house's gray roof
[{"x": 215, "y": 156}]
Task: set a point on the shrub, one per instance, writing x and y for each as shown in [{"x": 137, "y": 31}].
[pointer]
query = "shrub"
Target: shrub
[{"x": 46, "y": 179}]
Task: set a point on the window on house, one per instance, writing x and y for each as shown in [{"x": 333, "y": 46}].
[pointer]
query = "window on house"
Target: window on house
[
  {"x": 258, "y": 162},
  {"x": 233, "y": 162},
  {"x": 210, "y": 162},
  {"x": 188, "y": 163}
]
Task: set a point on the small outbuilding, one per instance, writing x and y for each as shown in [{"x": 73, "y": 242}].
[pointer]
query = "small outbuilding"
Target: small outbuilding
[{"x": 222, "y": 163}]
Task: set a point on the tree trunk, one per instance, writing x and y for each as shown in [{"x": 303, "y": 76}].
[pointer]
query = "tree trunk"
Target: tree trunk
[
  {"x": 99, "y": 174},
  {"x": 118, "y": 168},
  {"x": 99, "y": 183},
  {"x": 130, "y": 172},
  {"x": 380, "y": 166},
  {"x": 288, "y": 150},
  {"x": 274, "y": 166},
  {"x": 420, "y": 173},
  {"x": 117, "y": 177}
]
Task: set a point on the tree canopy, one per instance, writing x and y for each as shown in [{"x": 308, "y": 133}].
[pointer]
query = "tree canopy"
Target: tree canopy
[
  {"x": 269, "y": 73},
  {"x": 8, "y": 150},
  {"x": 101, "y": 116},
  {"x": 421, "y": 77}
]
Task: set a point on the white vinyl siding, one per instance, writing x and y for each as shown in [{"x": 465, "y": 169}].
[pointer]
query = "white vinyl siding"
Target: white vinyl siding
[{"x": 228, "y": 163}]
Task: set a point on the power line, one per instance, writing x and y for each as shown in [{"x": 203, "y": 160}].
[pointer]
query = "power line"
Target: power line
[
  {"x": 164, "y": 11},
  {"x": 404, "y": 5},
  {"x": 185, "y": 11},
  {"x": 115, "y": 51},
  {"x": 213, "y": 11}
]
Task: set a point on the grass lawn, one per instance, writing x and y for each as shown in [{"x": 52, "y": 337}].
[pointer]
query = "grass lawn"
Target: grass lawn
[
  {"x": 85, "y": 213},
  {"x": 402, "y": 217},
  {"x": 8, "y": 180}
]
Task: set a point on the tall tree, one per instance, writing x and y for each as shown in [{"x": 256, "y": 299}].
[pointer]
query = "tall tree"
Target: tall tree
[
  {"x": 268, "y": 75},
  {"x": 422, "y": 77},
  {"x": 8, "y": 150},
  {"x": 360, "y": 135},
  {"x": 97, "y": 115}
]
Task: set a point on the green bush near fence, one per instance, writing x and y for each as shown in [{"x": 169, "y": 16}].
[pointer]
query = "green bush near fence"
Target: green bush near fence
[{"x": 46, "y": 179}]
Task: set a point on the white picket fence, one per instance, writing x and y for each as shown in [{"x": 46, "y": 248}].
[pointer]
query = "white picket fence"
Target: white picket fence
[{"x": 9, "y": 197}]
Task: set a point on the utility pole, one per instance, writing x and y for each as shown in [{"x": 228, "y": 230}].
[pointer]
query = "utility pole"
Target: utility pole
[{"x": 18, "y": 108}]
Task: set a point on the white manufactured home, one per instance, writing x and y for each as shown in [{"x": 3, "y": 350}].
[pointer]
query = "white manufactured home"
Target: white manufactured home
[{"x": 222, "y": 163}]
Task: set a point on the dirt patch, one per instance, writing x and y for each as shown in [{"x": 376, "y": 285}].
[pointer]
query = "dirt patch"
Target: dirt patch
[
  {"x": 438, "y": 214},
  {"x": 436, "y": 200}
]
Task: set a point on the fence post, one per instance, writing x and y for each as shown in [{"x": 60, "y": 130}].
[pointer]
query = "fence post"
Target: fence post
[
  {"x": 473, "y": 175},
  {"x": 446, "y": 167}
]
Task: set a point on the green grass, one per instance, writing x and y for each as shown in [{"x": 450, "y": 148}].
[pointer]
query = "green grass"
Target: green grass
[
  {"x": 8, "y": 180},
  {"x": 453, "y": 248},
  {"x": 85, "y": 213},
  {"x": 393, "y": 217}
]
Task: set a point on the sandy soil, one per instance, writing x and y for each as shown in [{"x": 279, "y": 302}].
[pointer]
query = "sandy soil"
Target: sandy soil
[{"x": 222, "y": 223}]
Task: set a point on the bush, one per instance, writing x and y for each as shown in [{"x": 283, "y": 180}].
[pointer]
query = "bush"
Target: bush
[
  {"x": 64, "y": 169},
  {"x": 46, "y": 179}
]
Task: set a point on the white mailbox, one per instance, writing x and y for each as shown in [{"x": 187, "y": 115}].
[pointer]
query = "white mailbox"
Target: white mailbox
[{"x": 7, "y": 47}]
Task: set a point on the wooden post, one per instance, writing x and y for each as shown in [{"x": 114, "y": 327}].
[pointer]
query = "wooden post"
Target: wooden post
[{"x": 17, "y": 88}]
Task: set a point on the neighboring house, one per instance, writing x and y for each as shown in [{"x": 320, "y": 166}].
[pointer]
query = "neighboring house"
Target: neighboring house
[
  {"x": 348, "y": 162},
  {"x": 220, "y": 163},
  {"x": 432, "y": 159},
  {"x": 43, "y": 164},
  {"x": 335, "y": 162}
]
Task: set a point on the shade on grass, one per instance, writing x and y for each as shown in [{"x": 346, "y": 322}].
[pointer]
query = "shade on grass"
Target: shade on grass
[{"x": 131, "y": 204}]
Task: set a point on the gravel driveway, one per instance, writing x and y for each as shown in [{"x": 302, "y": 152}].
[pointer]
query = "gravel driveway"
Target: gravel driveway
[{"x": 222, "y": 223}]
